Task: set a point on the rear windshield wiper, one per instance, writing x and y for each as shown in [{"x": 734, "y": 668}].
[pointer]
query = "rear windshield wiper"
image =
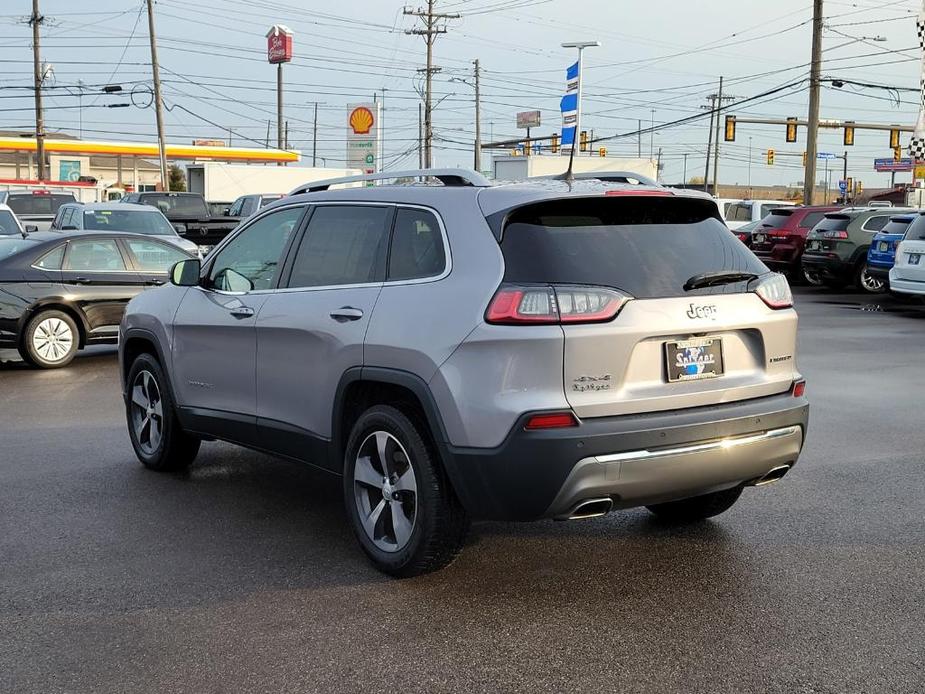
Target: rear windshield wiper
[{"x": 712, "y": 279}]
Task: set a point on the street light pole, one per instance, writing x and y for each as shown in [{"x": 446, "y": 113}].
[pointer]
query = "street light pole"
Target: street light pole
[{"x": 158, "y": 104}]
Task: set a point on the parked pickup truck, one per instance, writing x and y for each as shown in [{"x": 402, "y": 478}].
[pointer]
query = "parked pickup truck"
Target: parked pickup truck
[{"x": 189, "y": 213}]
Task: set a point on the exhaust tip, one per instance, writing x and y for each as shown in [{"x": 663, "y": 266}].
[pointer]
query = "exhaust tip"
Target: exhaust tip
[
  {"x": 772, "y": 475},
  {"x": 591, "y": 508}
]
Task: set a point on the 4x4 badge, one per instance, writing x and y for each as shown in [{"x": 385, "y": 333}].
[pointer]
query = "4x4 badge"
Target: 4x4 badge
[{"x": 703, "y": 311}]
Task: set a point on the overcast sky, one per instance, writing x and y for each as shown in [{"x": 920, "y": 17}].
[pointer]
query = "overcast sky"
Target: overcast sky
[{"x": 665, "y": 55}]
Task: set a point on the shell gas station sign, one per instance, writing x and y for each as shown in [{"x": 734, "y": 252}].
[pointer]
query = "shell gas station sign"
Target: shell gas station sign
[{"x": 364, "y": 137}]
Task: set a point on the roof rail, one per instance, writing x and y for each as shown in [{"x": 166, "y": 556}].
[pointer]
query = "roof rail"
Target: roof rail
[
  {"x": 616, "y": 177},
  {"x": 448, "y": 177}
]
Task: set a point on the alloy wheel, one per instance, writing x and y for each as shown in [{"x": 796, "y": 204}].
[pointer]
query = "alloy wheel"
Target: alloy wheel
[
  {"x": 812, "y": 278},
  {"x": 147, "y": 412},
  {"x": 385, "y": 491},
  {"x": 52, "y": 340},
  {"x": 870, "y": 284}
]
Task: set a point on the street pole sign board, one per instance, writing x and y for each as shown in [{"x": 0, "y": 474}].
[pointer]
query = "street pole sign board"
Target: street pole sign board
[
  {"x": 364, "y": 137},
  {"x": 528, "y": 119},
  {"x": 279, "y": 44},
  {"x": 891, "y": 165}
]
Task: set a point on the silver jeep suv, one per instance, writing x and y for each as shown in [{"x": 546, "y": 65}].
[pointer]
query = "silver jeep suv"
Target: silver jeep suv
[{"x": 468, "y": 351}]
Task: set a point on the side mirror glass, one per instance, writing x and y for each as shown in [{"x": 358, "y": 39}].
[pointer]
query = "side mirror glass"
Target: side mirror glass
[
  {"x": 234, "y": 281},
  {"x": 185, "y": 273}
]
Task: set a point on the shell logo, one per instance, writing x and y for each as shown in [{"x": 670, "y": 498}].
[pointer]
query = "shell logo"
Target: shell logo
[{"x": 361, "y": 120}]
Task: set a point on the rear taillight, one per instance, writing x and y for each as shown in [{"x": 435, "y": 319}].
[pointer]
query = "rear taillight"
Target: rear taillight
[
  {"x": 798, "y": 389},
  {"x": 551, "y": 420},
  {"x": 742, "y": 237},
  {"x": 774, "y": 290},
  {"x": 834, "y": 234},
  {"x": 553, "y": 304}
]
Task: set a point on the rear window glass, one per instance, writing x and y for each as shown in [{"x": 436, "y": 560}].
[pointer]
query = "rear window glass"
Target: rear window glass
[
  {"x": 739, "y": 212},
  {"x": 893, "y": 227},
  {"x": 916, "y": 230},
  {"x": 766, "y": 209},
  {"x": 138, "y": 221},
  {"x": 180, "y": 205},
  {"x": 29, "y": 203},
  {"x": 776, "y": 220},
  {"x": 811, "y": 219},
  {"x": 647, "y": 248},
  {"x": 839, "y": 223}
]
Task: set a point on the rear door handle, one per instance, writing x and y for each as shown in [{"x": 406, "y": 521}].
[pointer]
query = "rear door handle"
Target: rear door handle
[
  {"x": 242, "y": 312},
  {"x": 346, "y": 313}
]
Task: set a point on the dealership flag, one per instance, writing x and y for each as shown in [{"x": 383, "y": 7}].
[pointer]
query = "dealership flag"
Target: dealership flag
[{"x": 569, "y": 106}]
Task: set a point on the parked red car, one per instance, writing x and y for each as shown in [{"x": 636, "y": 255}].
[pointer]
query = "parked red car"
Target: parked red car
[{"x": 780, "y": 237}]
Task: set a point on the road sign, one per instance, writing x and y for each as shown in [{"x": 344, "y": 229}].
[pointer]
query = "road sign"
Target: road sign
[
  {"x": 889, "y": 165},
  {"x": 843, "y": 187},
  {"x": 826, "y": 155},
  {"x": 528, "y": 119}
]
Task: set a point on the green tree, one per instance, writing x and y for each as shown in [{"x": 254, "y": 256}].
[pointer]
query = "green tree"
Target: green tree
[{"x": 176, "y": 178}]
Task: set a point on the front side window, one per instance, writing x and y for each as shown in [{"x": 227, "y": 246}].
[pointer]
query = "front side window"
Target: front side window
[
  {"x": 344, "y": 244},
  {"x": 417, "y": 246},
  {"x": 94, "y": 255},
  {"x": 151, "y": 256},
  {"x": 254, "y": 253}
]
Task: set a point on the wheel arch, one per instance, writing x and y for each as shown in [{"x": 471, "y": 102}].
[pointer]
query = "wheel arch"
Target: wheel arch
[{"x": 135, "y": 342}]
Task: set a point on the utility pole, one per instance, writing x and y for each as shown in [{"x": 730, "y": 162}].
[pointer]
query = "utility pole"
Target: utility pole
[
  {"x": 158, "y": 104},
  {"x": 38, "y": 78},
  {"x": 706, "y": 166},
  {"x": 652, "y": 135},
  {"x": 658, "y": 164},
  {"x": 719, "y": 108},
  {"x": 639, "y": 138},
  {"x": 477, "y": 155},
  {"x": 430, "y": 32},
  {"x": 716, "y": 106},
  {"x": 279, "y": 108},
  {"x": 812, "y": 129},
  {"x": 684, "y": 177},
  {"x": 749, "y": 167},
  {"x": 381, "y": 162},
  {"x": 315, "y": 138},
  {"x": 420, "y": 139}
]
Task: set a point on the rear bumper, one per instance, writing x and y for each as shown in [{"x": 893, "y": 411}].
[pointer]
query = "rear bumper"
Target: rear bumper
[
  {"x": 881, "y": 272},
  {"x": 780, "y": 256},
  {"x": 634, "y": 460},
  {"x": 906, "y": 286}
]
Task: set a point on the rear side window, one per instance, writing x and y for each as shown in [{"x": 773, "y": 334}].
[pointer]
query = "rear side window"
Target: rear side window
[
  {"x": 646, "y": 247},
  {"x": 916, "y": 230},
  {"x": 417, "y": 246},
  {"x": 876, "y": 223},
  {"x": 739, "y": 212},
  {"x": 344, "y": 244}
]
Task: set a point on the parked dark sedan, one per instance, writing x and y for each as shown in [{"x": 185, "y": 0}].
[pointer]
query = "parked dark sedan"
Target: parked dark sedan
[{"x": 62, "y": 291}]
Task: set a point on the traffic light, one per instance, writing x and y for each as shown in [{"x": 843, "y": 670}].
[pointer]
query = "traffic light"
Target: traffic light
[
  {"x": 770, "y": 157},
  {"x": 730, "y": 135},
  {"x": 849, "y": 133},
  {"x": 602, "y": 152},
  {"x": 791, "y": 130},
  {"x": 897, "y": 154},
  {"x": 850, "y": 186},
  {"x": 583, "y": 141},
  {"x": 894, "y": 139},
  {"x": 554, "y": 145},
  {"x": 858, "y": 187}
]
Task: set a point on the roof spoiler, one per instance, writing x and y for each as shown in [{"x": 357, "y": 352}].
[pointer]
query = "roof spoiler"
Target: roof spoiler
[{"x": 448, "y": 177}]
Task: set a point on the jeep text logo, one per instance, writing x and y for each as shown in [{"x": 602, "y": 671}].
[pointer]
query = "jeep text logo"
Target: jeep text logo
[{"x": 704, "y": 311}]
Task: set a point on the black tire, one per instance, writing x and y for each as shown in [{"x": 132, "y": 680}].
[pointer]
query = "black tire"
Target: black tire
[
  {"x": 65, "y": 336},
  {"x": 865, "y": 282},
  {"x": 174, "y": 449},
  {"x": 438, "y": 521},
  {"x": 696, "y": 508}
]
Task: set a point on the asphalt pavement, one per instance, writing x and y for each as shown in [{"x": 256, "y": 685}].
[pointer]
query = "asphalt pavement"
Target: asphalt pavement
[{"x": 242, "y": 576}]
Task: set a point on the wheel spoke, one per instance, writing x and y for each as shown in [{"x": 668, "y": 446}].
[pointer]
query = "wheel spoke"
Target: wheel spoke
[
  {"x": 405, "y": 482},
  {"x": 369, "y": 522},
  {"x": 401, "y": 525},
  {"x": 139, "y": 398},
  {"x": 144, "y": 426},
  {"x": 154, "y": 433},
  {"x": 364, "y": 473},
  {"x": 382, "y": 441},
  {"x": 146, "y": 384}
]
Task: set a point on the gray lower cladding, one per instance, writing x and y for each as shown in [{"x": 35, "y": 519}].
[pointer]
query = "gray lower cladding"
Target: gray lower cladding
[{"x": 648, "y": 476}]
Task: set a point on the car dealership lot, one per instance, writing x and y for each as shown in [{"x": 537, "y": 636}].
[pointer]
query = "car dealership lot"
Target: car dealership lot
[{"x": 244, "y": 576}]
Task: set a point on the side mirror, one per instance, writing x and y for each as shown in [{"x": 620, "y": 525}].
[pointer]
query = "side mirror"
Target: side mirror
[
  {"x": 30, "y": 228},
  {"x": 226, "y": 212},
  {"x": 180, "y": 229},
  {"x": 186, "y": 273}
]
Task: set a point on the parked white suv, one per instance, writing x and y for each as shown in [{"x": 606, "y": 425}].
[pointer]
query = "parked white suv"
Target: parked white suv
[{"x": 907, "y": 276}]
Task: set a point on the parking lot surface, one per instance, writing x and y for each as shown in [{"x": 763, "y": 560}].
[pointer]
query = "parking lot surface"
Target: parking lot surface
[{"x": 243, "y": 575}]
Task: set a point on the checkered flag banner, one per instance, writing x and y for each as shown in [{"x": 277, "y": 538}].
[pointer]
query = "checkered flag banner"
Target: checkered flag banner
[{"x": 917, "y": 143}]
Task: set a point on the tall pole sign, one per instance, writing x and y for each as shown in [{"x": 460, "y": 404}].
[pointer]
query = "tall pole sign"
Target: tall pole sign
[
  {"x": 917, "y": 143},
  {"x": 364, "y": 137},
  {"x": 279, "y": 51}
]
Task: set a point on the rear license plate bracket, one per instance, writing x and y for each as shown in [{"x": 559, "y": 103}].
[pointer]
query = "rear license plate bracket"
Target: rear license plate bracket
[{"x": 694, "y": 359}]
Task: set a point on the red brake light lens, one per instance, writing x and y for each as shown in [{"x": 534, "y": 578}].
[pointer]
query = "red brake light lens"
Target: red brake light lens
[
  {"x": 799, "y": 388},
  {"x": 554, "y": 304},
  {"x": 774, "y": 291},
  {"x": 834, "y": 234},
  {"x": 551, "y": 420},
  {"x": 40, "y": 192}
]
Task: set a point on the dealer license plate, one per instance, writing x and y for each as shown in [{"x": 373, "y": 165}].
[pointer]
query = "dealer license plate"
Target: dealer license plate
[
  {"x": 694, "y": 359},
  {"x": 914, "y": 258},
  {"x": 884, "y": 246}
]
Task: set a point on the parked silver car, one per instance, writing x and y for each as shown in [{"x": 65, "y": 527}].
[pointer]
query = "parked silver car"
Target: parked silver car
[{"x": 475, "y": 351}]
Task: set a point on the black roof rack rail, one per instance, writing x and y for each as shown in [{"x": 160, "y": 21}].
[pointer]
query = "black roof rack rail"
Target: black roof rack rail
[{"x": 448, "y": 177}]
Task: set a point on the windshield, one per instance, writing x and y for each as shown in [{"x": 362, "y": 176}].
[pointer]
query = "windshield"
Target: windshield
[
  {"x": 138, "y": 221},
  {"x": 11, "y": 246},
  {"x": 646, "y": 247},
  {"x": 179, "y": 205},
  {"x": 38, "y": 203},
  {"x": 8, "y": 223}
]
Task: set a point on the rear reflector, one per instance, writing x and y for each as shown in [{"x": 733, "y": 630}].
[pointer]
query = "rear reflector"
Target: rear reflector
[
  {"x": 551, "y": 420},
  {"x": 799, "y": 387},
  {"x": 553, "y": 304}
]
